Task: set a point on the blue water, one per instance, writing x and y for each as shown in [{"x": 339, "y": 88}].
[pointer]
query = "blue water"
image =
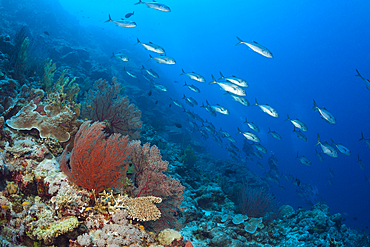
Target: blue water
[{"x": 317, "y": 47}]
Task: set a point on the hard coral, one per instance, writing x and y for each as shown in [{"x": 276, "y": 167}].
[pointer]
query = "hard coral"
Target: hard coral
[{"x": 58, "y": 123}]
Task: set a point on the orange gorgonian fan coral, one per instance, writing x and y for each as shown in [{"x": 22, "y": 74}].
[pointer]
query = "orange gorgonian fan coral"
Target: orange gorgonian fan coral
[{"x": 98, "y": 160}]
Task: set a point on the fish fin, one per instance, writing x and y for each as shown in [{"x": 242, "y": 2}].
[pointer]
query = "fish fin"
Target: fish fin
[
  {"x": 213, "y": 80},
  {"x": 287, "y": 118},
  {"x": 358, "y": 74},
  {"x": 256, "y": 102},
  {"x": 138, "y": 41},
  {"x": 255, "y": 42},
  {"x": 240, "y": 41},
  {"x": 269, "y": 130},
  {"x": 332, "y": 141},
  {"x": 315, "y": 107},
  {"x": 112, "y": 55},
  {"x": 222, "y": 76},
  {"x": 297, "y": 155},
  {"x": 138, "y": 2},
  {"x": 185, "y": 84},
  {"x": 183, "y": 72},
  {"x": 362, "y": 136},
  {"x": 150, "y": 57},
  {"x": 110, "y": 19},
  {"x": 239, "y": 131},
  {"x": 318, "y": 139}
]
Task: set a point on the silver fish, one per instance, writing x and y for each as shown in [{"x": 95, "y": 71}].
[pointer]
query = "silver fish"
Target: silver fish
[
  {"x": 120, "y": 57},
  {"x": 366, "y": 81},
  {"x": 297, "y": 123},
  {"x": 341, "y": 148},
  {"x": 209, "y": 109},
  {"x": 257, "y": 48},
  {"x": 122, "y": 23},
  {"x": 150, "y": 72},
  {"x": 331, "y": 172},
  {"x": 252, "y": 125},
  {"x": 194, "y": 76},
  {"x": 260, "y": 165},
  {"x": 267, "y": 109},
  {"x": 233, "y": 79},
  {"x": 260, "y": 148},
  {"x": 249, "y": 135},
  {"x": 275, "y": 134},
  {"x": 160, "y": 87},
  {"x": 327, "y": 148},
  {"x": 300, "y": 135},
  {"x": 225, "y": 133},
  {"x": 190, "y": 100},
  {"x": 319, "y": 155},
  {"x": 239, "y": 99},
  {"x": 155, "y": 5},
  {"x": 151, "y": 47},
  {"x": 304, "y": 160},
  {"x": 360, "y": 163},
  {"x": 163, "y": 59},
  {"x": 129, "y": 73},
  {"x": 192, "y": 88},
  {"x": 220, "y": 109},
  {"x": 327, "y": 116},
  {"x": 177, "y": 103},
  {"x": 230, "y": 87}
]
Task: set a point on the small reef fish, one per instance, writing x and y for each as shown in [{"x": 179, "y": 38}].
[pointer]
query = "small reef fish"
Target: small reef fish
[
  {"x": 5, "y": 207},
  {"x": 26, "y": 203},
  {"x": 194, "y": 76},
  {"x": 319, "y": 155},
  {"x": 327, "y": 148},
  {"x": 122, "y": 23},
  {"x": 367, "y": 141},
  {"x": 304, "y": 160},
  {"x": 341, "y": 148},
  {"x": 275, "y": 134},
  {"x": 229, "y": 87},
  {"x": 128, "y": 15},
  {"x": 327, "y": 116},
  {"x": 192, "y": 88},
  {"x": 150, "y": 72},
  {"x": 120, "y": 57},
  {"x": 252, "y": 125},
  {"x": 366, "y": 81},
  {"x": 267, "y": 109},
  {"x": 257, "y": 48},
  {"x": 151, "y": 47},
  {"x": 155, "y": 5},
  {"x": 88, "y": 209},
  {"x": 300, "y": 135},
  {"x": 129, "y": 73},
  {"x": 249, "y": 135},
  {"x": 233, "y": 79},
  {"x": 163, "y": 59},
  {"x": 297, "y": 123},
  {"x": 330, "y": 182},
  {"x": 360, "y": 163}
]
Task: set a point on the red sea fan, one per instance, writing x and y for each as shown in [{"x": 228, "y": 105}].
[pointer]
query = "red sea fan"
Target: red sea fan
[{"x": 98, "y": 160}]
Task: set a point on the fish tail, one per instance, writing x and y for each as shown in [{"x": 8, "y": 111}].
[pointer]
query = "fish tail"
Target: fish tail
[
  {"x": 138, "y": 41},
  {"x": 239, "y": 131},
  {"x": 315, "y": 107},
  {"x": 138, "y": 2},
  {"x": 287, "y": 118},
  {"x": 213, "y": 80},
  {"x": 362, "y": 137},
  {"x": 269, "y": 130},
  {"x": 222, "y": 76},
  {"x": 110, "y": 19},
  {"x": 256, "y": 102},
  {"x": 358, "y": 74},
  {"x": 245, "y": 120},
  {"x": 332, "y": 141},
  {"x": 150, "y": 57},
  {"x": 112, "y": 55},
  {"x": 297, "y": 156},
  {"x": 185, "y": 84},
  {"x": 366, "y": 179},
  {"x": 183, "y": 72},
  {"x": 240, "y": 41},
  {"x": 318, "y": 139}
]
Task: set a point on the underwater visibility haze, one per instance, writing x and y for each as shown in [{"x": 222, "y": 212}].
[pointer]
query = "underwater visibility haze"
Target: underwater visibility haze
[{"x": 277, "y": 89}]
